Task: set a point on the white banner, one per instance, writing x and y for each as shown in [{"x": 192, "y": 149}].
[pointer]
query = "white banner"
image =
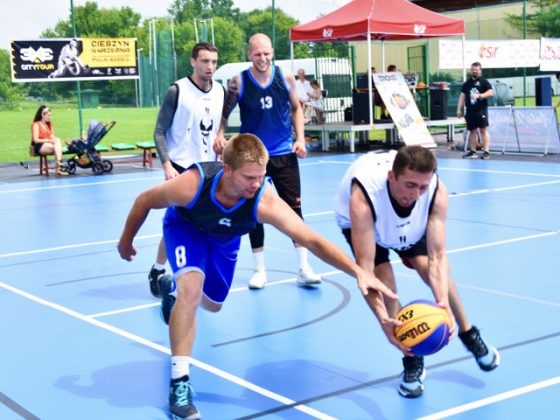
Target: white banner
[
  {"x": 491, "y": 54},
  {"x": 403, "y": 110},
  {"x": 550, "y": 54}
]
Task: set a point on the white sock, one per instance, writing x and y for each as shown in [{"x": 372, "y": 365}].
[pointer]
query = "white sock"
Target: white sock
[
  {"x": 180, "y": 366},
  {"x": 301, "y": 253},
  {"x": 159, "y": 266},
  {"x": 258, "y": 259}
]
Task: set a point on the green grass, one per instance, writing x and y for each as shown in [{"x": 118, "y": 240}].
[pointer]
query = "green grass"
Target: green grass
[{"x": 133, "y": 125}]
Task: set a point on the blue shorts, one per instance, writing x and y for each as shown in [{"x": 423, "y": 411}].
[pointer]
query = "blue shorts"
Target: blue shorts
[{"x": 190, "y": 249}]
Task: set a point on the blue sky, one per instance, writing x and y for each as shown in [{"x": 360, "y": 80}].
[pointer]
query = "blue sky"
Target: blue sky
[{"x": 26, "y": 19}]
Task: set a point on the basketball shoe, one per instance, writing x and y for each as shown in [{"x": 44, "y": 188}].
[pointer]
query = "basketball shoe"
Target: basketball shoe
[
  {"x": 180, "y": 400},
  {"x": 487, "y": 356},
  {"x": 413, "y": 375},
  {"x": 258, "y": 279},
  {"x": 153, "y": 277},
  {"x": 307, "y": 278}
]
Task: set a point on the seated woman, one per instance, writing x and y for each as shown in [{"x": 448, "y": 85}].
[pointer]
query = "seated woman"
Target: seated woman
[
  {"x": 316, "y": 100},
  {"x": 43, "y": 139}
]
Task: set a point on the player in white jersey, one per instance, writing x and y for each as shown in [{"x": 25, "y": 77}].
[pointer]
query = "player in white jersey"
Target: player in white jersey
[
  {"x": 186, "y": 128},
  {"x": 396, "y": 201}
]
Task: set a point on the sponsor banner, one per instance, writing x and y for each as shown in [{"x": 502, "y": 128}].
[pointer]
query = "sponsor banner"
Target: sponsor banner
[
  {"x": 398, "y": 99},
  {"x": 491, "y": 54},
  {"x": 550, "y": 54},
  {"x": 53, "y": 60}
]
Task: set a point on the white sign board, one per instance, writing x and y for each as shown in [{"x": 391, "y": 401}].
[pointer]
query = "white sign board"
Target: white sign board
[
  {"x": 396, "y": 95},
  {"x": 550, "y": 54},
  {"x": 490, "y": 53}
]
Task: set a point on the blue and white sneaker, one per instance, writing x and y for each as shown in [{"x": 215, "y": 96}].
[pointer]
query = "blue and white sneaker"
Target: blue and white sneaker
[
  {"x": 166, "y": 285},
  {"x": 180, "y": 400},
  {"x": 487, "y": 356},
  {"x": 413, "y": 375}
]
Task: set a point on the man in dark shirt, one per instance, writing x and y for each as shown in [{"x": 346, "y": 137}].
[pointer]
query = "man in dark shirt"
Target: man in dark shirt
[{"x": 474, "y": 95}]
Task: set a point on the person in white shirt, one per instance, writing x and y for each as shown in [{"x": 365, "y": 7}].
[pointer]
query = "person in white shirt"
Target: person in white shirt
[{"x": 303, "y": 88}]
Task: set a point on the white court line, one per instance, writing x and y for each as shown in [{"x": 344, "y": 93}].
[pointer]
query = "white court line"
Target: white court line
[
  {"x": 163, "y": 349},
  {"x": 232, "y": 290},
  {"x": 440, "y": 168},
  {"x": 491, "y": 400},
  {"x": 82, "y": 185}
]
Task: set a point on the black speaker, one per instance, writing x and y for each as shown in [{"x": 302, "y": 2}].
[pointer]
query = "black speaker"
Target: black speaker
[
  {"x": 438, "y": 104},
  {"x": 348, "y": 114},
  {"x": 361, "y": 81},
  {"x": 543, "y": 91},
  {"x": 360, "y": 107}
]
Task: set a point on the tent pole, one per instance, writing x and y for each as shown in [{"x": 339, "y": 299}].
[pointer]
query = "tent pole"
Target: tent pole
[
  {"x": 370, "y": 90},
  {"x": 292, "y": 56},
  {"x": 383, "y": 67},
  {"x": 463, "y": 59}
]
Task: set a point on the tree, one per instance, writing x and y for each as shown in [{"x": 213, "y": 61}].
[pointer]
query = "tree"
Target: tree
[
  {"x": 261, "y": 21},
  {"x": 10, "y": 93},
  {"x": 187, "y": 10},
  {"x": 543, "y": 19}
]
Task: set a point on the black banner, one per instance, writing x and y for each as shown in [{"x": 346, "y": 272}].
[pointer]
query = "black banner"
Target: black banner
[{"x": 53, "y": 60}]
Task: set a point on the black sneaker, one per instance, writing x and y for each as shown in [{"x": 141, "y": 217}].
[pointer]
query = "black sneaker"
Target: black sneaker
[
  {"x": 471, "y": 154},
  {"x": 487, "y": 356},
  {"x": 153, "y": 278},
  {"x": 166, "y": 285},
  {"x": 485, "y": 155},
  {"x": 412, "y": 383},
  {"x": 180, "y": 400}
]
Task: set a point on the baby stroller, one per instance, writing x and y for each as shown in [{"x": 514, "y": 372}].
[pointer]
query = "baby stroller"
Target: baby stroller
[{"x": 85, "y": 154}]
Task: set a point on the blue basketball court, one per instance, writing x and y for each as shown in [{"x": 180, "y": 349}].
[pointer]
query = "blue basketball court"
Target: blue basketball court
[{"x": 82, "y": 336}]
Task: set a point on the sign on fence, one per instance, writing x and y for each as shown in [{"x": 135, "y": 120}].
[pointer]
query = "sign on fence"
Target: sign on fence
[
  {"x": 524, "y": 130},
  {"x": 51, "y": 60}
]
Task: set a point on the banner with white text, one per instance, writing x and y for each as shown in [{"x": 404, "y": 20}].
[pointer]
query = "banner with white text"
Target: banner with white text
[
  {"x": 492, "y": 54},
  {"x": 54, "y": 60}
]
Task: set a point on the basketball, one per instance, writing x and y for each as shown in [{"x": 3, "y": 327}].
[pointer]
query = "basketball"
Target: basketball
[{"x": 425, "y": 327}]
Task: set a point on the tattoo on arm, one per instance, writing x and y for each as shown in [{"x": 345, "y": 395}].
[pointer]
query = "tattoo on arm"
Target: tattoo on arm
[{"x": 232, "y": 95}]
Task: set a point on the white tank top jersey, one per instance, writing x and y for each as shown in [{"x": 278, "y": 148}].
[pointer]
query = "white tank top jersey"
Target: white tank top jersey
[
  {"x": 391, "y": 231},
  {"x": 195, "y": 123}
]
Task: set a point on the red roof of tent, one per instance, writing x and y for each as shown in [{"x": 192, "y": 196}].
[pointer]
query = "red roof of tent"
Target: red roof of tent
[{"x": 383, "y": 19}]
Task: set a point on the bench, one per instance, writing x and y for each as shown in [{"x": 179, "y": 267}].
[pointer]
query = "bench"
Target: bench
[{"x": 147, "y": 148}]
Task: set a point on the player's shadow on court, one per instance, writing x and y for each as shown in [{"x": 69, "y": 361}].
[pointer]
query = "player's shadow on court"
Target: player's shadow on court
[
  {"x": 133, "y": 384},
  {"x": 308, "y": 381}
]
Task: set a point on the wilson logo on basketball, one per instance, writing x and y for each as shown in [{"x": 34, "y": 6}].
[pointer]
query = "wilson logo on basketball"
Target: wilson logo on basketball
[{"x": 414, "y": 332}]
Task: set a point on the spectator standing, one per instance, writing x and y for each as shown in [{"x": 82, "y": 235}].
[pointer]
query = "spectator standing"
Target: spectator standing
[
  {"x": 474, "y": 96},
  {"x": 303, "y": 88}
]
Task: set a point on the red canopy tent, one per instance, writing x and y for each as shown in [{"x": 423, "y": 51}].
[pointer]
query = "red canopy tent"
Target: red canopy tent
[{"x": 364, "y": 20}]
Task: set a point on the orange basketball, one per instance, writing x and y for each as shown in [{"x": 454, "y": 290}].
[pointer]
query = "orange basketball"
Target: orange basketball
[{"x": 425, "y": 327}]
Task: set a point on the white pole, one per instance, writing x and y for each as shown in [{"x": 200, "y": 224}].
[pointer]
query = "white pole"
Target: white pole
[{"x": 370, "y": 90}]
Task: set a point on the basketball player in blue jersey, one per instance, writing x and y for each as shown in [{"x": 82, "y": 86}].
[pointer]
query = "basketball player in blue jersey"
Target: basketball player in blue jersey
[
  {"x": 209, "y": 207},
  {"x": 396, "y": 201},
  {"x": 269, "y": 107},
  {"x": 186, "y": 127}
]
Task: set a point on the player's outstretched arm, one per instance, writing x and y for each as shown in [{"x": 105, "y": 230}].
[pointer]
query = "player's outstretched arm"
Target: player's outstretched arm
[{"x": 276, "y": 212}]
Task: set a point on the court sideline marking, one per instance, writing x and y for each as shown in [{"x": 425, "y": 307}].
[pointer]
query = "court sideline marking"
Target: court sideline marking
[
  {"x": 158, "y": 347},
  {"x": 494, "y": 399}
]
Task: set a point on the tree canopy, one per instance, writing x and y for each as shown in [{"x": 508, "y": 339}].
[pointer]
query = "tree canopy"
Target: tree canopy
[{"x": 541, "y": 19}]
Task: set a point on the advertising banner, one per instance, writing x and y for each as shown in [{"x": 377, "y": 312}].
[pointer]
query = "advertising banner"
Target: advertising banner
[
  {"x": 398, "y": 99},
  {"x": 54, "y": 60},
  {"x": 492, "y": 54}
]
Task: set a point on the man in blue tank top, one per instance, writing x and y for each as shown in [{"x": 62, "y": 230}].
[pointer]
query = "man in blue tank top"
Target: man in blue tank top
[
  {"x": 269, "y": 107},
  {"x": 209, "y": 207}
]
